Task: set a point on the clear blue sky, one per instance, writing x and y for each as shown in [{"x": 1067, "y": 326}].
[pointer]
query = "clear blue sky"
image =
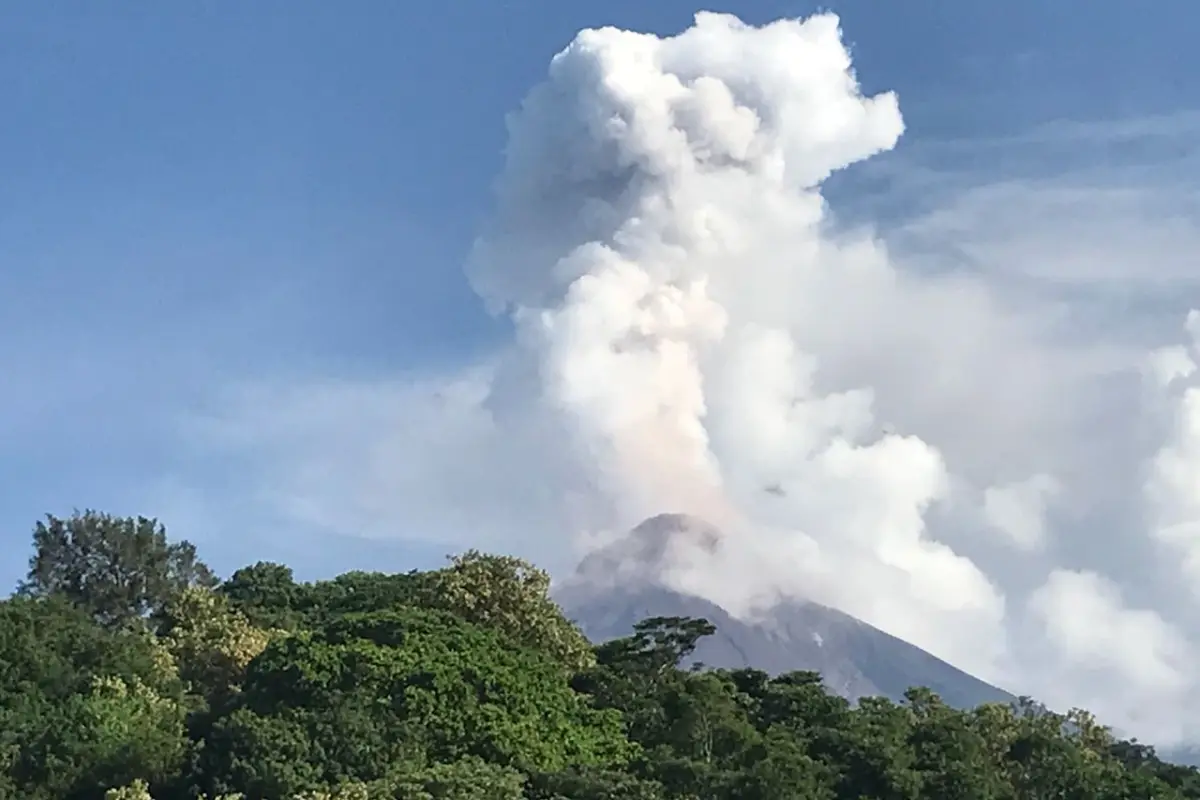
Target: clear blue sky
[{"x": 193, "y": 194}]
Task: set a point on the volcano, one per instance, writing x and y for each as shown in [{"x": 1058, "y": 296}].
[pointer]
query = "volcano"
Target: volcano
[{"x": 626, "y": 581}]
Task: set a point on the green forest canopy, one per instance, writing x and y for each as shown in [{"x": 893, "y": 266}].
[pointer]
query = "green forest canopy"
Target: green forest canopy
[{"x": 129, "y": 672}]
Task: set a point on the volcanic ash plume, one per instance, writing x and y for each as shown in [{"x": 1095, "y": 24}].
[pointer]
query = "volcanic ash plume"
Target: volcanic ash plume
[{"x": 660, "y": 243}]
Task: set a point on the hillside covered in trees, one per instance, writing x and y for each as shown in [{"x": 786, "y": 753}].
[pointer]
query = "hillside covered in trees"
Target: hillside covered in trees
[{"x": 129, "y": 671}]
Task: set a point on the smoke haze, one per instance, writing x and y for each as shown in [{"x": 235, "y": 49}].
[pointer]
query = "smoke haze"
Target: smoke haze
[{"x": 950, "y": 457}]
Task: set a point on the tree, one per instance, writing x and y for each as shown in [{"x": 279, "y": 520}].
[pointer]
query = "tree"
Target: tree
[
  {"x": 463, "y": 683},
  {"x": 582, "y": 783},
  {"x": 82, "y": 708},
  {"x": 366, "y": 696},
  {"x": 951, "y": 753},
  {"x": 119, "y": 569},
  {"x": 660, "y": 643},
  {"x": 119, "y": 731},
  {"x": 513, "y": 597},
  {"x": 784, "y": 770},
  {"x": 469, "y": 778},
  {"x": 266, "y": 593},
  {"x": 466, "y": 779},
  {"x": 211, "y": 643}
]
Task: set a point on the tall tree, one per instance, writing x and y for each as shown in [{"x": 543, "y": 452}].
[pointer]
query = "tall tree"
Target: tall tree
[
  {"x": 266, "y": 593},
  {"x": 512, "y": 596},
  {"x": 119, "y": 569},
  {"x": 211, "y": 642}
]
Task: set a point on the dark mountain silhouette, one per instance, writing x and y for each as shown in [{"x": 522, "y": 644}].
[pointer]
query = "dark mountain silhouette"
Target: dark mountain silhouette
[{"x": 618, "y": 585}]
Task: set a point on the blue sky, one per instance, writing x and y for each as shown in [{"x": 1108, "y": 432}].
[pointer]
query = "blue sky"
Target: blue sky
[{"x": 196, "y": 196}]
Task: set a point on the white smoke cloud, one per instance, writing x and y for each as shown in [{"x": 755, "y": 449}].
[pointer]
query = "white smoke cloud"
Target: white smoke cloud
[
  {"x": 945, "y": 454},
  {"x": 1018, "y": 509},
  {"x": 662, "y": 244},
  {"x": 1101, "y": 643},
  {"x": 1173, "y": 487}
]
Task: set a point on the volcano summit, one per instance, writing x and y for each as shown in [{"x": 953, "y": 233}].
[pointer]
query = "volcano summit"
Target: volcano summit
[{"x": 634, "y": 577}]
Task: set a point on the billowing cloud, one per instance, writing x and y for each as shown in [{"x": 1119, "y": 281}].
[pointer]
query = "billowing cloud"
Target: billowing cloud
[
  {"x": 1018, "y": 510},
  {"x": 953, "y": 437},
  {"x": 1173, "y": 486},
  {"x": 1099, "y": 643}
]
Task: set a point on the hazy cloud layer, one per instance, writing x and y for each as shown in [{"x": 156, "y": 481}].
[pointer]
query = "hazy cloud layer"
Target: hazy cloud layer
[{"x": 977, "y": 428}]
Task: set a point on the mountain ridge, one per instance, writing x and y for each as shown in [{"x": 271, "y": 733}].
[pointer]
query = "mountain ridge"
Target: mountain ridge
[{"x": 622, "y": 583}]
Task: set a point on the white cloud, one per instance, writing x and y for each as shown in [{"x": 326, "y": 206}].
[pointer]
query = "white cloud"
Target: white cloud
[
  {"x": 1173, "y": 486},
  {"x": 1100, "y": 643},
  {"x": 861, "y": 412},
  {"x": 1018, "y": 509},
  {"x": 1085, "y": 614}
]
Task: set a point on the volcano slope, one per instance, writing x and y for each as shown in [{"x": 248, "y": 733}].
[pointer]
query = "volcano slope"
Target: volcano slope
[{"x": 627, "y": 581}]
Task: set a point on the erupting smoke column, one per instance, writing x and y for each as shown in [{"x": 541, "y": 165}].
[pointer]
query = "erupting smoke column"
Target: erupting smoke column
[
  {"x": 660, "y": 243},
  {"x": 628, "y": 178}
]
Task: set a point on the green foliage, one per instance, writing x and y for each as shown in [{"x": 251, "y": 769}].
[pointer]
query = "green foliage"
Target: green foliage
[
  {"x": 118, "y": 568},
  {"x": 455, "y": 684},
  {"x": 465, "y": 779},
  {"x": 266, "y": 593},
  {"x": 511, "y": 596},
  {"x": 211, "y": 643},
  {"x": 81, "y": 705},
  {"x": 592, "y": 784},
  {"x": 366, "y": 691},
  {"x": 118, "y": 731},
  {"x": 504, "y": 594}
]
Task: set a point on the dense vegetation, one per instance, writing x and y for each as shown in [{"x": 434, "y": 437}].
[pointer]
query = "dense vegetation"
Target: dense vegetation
[{"x": 128, "y": 671}]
